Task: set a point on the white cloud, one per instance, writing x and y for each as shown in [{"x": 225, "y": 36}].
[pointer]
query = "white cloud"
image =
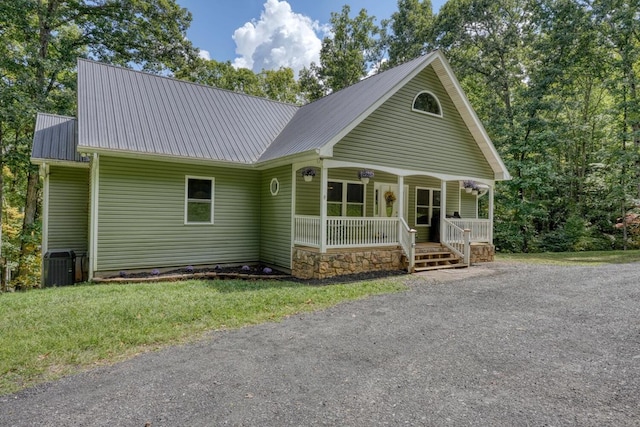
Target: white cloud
[
  {"x": 204, "y": 54},
  {"x": 280, "y": 38}
]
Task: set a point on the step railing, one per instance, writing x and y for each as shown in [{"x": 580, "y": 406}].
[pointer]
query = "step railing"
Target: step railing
[
  {"x": 408, "y": 243},
  {"x": 481, "y": 229},
  {"x": 458, "y": 240}
]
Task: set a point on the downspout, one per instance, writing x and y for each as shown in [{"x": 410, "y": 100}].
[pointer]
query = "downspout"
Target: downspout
[
  {"x": 93, "y": 220},
  {"x": 44, "y": 172}
]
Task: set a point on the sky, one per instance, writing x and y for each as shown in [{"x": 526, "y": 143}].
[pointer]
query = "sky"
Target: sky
[{"x": 270, "y": 34}]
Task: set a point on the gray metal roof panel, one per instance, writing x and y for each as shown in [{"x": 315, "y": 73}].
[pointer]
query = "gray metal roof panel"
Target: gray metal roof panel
[
  {"x": 55, "y": 138},
  {"x": 317, "y": 123},
  {"x": 122, "y": 109}
]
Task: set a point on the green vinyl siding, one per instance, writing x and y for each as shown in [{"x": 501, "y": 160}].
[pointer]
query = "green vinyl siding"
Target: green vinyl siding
[
  {"x": 141, "y": 216},
  {"x": 469, "y": 202},
  {"x": 275, "y": 219},
  {"x": 68, "y": 208},
  {"x": 453, "y": 197},
  {"x": 396, "y": 136},
  {"x": 308, "y": 194}
]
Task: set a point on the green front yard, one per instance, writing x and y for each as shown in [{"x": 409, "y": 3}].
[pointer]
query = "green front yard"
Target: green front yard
[
  {"x": 574, "y": 258},
  {"x": 57, "y": 331}
]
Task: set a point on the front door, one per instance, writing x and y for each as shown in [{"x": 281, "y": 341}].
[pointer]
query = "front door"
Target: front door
[{"x": 386, "y": 200}]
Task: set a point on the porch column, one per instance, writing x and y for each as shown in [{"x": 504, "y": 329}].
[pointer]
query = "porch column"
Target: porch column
[
  {"x": 491, "y": 214},
  {"x": 401, "y": 197},
  {"x": 443, "y": 206},
  {"x": 324, "y": 179}
]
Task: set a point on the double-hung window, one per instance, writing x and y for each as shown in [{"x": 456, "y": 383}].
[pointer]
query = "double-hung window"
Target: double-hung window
[
  {"x": 427, "y": 205},
  {"x": 198, "y": 207},
  {"x": 345, "y": 198}
]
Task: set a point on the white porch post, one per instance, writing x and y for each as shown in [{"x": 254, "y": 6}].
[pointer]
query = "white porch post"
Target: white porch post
[
  {"x": 491, "y": 214},
  {"x": 324, "y": 179},
  {"x": 401, "y": 197},
  {"x": 443, "y": 206}
]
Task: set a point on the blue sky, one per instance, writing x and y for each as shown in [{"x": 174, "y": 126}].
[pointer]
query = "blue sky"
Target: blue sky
[{"x": 270, "y": 33}]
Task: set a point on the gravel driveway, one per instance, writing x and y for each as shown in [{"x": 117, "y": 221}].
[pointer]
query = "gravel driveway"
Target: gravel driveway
[{"x": 499, "y": 345}]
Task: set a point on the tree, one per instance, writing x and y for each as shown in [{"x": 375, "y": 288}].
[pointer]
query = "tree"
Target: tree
[
  {"x": 279, "y": 85},
  {"x": 346, "y": 56},
  {"x": 409, "y": 32},
  {"x": 41, "y": 41}
]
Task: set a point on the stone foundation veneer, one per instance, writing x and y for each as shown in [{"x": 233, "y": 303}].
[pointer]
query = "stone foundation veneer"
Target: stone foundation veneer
[
  {"x": 482, "y": 252},
  {"x": 309, "y": 264}
]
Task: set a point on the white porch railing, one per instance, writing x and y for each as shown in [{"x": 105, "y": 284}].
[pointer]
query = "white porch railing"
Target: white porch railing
[
  {"x": 351, "y": 232},
  {"x": 346, "y": 232},
  {"x": 457, "y": 239},
  {"x": 307, "y": 230},
  {"x": 408, "y": 243},
  {"x": 481, "y": 229}
]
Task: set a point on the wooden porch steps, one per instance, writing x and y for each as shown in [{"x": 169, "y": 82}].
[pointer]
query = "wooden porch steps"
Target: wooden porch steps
[{"x": 434, "y": 256}]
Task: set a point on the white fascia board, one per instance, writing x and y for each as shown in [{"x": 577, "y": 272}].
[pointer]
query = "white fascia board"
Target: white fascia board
[
  {"x": 163, "y": 157},
  {"x": 309, "y": 158},
  {"x": 404, "y": 172},
  {"x": 56, "y": 162}
]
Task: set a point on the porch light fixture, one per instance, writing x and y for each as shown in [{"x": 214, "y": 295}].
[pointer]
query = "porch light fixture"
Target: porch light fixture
[
  {"x": 308, "y": 174},
  {"x": 364, "y": 175}
]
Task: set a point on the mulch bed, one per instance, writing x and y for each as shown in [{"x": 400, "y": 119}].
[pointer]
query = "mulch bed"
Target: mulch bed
[
  {"x": 215, "y": 273},
  {"x": 238, "y": 273}
]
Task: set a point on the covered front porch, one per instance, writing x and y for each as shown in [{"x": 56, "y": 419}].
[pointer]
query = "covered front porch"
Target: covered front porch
[{"x": 374, "y": 217}]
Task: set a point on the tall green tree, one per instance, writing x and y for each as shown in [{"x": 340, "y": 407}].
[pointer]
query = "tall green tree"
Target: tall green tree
[
  {"x": 345, "y": 57},
  {"x": 279, "y": 85},
  {"x": 534, "y": 70},
  {"x": 41, "y": 41},
  {"x": 409, "y": 32}
]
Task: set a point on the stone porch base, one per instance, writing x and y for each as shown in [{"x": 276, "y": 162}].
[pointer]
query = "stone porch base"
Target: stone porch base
[
  {"x": 308, "y": 263},
  {"x": 482, "y": 252}
]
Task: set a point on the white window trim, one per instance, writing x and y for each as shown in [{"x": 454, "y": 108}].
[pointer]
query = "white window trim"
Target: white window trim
[
  {"x": 186, "y": 198},
  {"x": 432, "y": 189},
  {"x": 426, "y": 112},
  {"x": 274, "y": 186},
  {"x": 344, "y": 183}
]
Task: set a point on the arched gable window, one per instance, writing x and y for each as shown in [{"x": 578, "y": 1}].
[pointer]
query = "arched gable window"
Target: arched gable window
[{"x": 427, "y": 102}]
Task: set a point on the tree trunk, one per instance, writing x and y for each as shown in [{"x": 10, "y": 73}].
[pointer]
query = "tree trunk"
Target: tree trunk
[{"x": 26, "y": 238}]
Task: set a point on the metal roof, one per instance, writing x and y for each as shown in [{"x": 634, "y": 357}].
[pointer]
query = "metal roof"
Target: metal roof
[
  {"x": 56, "y": 138},
  {"x": 318, "y": 123},
  {"x": 122, "y": 110},
  {"x": 125, "y": 110}
]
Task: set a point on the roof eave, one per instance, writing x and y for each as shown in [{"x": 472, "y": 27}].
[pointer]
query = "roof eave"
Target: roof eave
[
  {"x": 163, "y": 157},
  {"x": 58, "y": 162}
]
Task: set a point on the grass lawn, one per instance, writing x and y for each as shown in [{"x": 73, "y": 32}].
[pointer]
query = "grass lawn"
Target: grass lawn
[
  {"x": 574, "y": 258},
  {"x": 53, "y": 332}
]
